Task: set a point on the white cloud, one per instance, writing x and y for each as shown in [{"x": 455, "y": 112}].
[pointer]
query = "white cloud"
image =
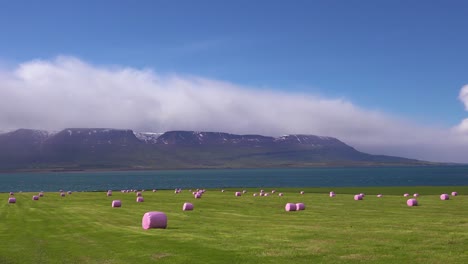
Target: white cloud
[{"x": 67, "y": 92}]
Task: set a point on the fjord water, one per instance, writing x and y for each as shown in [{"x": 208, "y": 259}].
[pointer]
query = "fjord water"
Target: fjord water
[{"x": 224, "y": 178}]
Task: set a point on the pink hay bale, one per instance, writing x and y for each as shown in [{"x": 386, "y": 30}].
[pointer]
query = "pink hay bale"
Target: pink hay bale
[
  {"x": 280, "y": 194},
  {"x": 266, "y": 194},
  {"x": 244, "y": 191},
  {"x": 262, "y": 194},
  {"x": 254, "y": 194},
  {"x": 302, "y": 192},
  {"x": 379, "y": 195},
  {"x": 197, "y": 195},
  {"x": 444, "y": 196},
  {"x": 140, "y": 199},
  {"x": 412, "y": 202},
  {"x": 454, "y": 193},
  {"x": 154, "y": 220},
  {"x": 12, "y": 200},
  {"x": 363, "y": 195},
  {"x": 62, "y": 194},
  {"x": 69, "y": 192},
  {"x": 290, "y": 207},
  {"x": 238, "y": 194},
  {"x": 332, "y": 194},
  {"x": 262, "y": 191},
  {"x": 116, "y": 203},
  {"x": 273, "y": 191},
  {"x": 12, "y": 193},
  {"x": 406, "y": 194},
  {"x": 109, "y": 190},
  {"x": 109, "y": 194},
  {"x": 300, "y": 206},
  {"x": 416, "y": 195},
  {"x": 35, "y": 197},
  {"x": 357, "y": 197},
  {"x": 41, "y": 194},
  {"x": 138, "y": 194},
  {"x": 154, "y": 190},
  {"x": 187, "y": 207}
]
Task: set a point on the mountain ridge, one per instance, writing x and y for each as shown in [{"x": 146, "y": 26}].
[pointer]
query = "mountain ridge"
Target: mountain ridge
[{"x": 104, "y": 148}]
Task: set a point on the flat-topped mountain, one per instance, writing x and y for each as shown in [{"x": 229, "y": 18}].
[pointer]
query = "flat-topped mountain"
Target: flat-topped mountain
[{"x": 100, "y": 148}]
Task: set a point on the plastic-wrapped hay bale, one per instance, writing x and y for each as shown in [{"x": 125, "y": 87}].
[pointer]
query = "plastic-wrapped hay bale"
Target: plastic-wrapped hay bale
[
  {"x": 290, "y": 207},
  {"x": 35, "y": 197},
  {"x": 69, "y": 192},
  {"x": 357, "y": 197},
  {"x": 222, "y": 190},
  {"x": 187, "y": 207},
  {"x": 332, "y": 194},
  {"x": 379, "y": 195},
  {"x": 197, "y": 195},
  {"x": 416, "y": 195},
  {"x": 12, "y": 200},
  {"x": 280, "y": 194},
  {"x": 362, "y": 194},
  {"x": 12, "y": 193},
  {"x": 109, "y": 194},
  {"x": 406, "y": 194},
  {"x": 116, "y": 203},
  {"x": 238, "y": 194},
  {"x": 412, "y": 202},
  {"x": 154, "y": 220},
  {"x": 41, "y": 194},
  {"x": 454, "y": 193},
  {"x": 266, "y": 194},
  {"x": 154, "y": 190},
  {"x": 300, "y": 206},
  {"x": 62, "y": 194},
  {"x": 244, "y": 191},
  {"x": 254, "y": 194},
  {"x": 273, "y": 191},
  {"x": 444, "y": 196},
  {"x": 302, "y": 192},
  {"x": 140, "y": 199},
  {"x": 138, "y": 194}
]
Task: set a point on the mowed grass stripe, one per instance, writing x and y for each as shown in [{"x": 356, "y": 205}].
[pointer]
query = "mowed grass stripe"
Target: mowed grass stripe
[{"x": 84, "y": 228}]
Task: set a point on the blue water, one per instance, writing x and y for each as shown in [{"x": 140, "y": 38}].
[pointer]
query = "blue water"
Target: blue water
[{"x": 307, "y": 177}]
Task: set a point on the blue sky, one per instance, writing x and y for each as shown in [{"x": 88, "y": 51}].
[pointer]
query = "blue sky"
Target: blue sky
[{"x": 406, "y": 59}]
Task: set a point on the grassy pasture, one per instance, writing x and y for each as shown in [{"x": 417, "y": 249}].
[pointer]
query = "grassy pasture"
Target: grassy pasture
[{"x": 84, "y": 228}]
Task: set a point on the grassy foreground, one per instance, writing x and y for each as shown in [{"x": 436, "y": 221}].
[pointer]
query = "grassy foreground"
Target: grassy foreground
[{"x": 84, "y": 228}]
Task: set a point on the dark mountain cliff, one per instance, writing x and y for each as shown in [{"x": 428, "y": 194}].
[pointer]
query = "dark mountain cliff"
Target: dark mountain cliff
[{"x": 99, "y": 148}]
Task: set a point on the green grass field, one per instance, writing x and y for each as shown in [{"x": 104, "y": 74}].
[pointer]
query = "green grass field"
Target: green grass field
[{"x": 84, "y": 228}]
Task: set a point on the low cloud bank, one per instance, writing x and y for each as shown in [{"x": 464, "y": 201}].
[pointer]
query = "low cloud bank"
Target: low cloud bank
[{"x": 68, "y": 92}]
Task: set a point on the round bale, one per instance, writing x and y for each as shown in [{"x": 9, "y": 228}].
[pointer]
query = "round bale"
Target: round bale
[
  {"x": 197, "y": 195},
  {"x": 406, "y": 194},
  {"x": 416, "y": 195},
  {"x": 300, "y": 206},
  {"x": 357, "y": 197},
  {"x": 280, "y": 194},
  {"x": 332, "y": 194},
  {"x": 69, "y": 192},
  {"x": 302, "y": 192},
  {"x": 444, "y": 196},
  {"x": 454, "y": 193},
  {"x": 11, "y": 193},
  {"x": 290, "y": 207},
  {"x": 187, "y": 207},
  {"x": 412, "y": 202},
  {"x": 35, "y": 197},
  {"x": 62, "y": 194},
  {"x": 379, "y": 195},
  {"x": 254, "y": 194},
  {"x": 12, "y": 200},
  {"x": 41, "y": 194},
  {"x": 238, "y": 194},
  {"x": 140, "y": 199},
  {"x": 154, "y": 220},
  {"x": 109, "y": 194},
  {"x": 138, "y": 194},
  {"x": 116, "y": 203}
]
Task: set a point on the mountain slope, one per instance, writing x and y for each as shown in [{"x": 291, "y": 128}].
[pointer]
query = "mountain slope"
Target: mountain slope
[{"x": 98, "y": 148}]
